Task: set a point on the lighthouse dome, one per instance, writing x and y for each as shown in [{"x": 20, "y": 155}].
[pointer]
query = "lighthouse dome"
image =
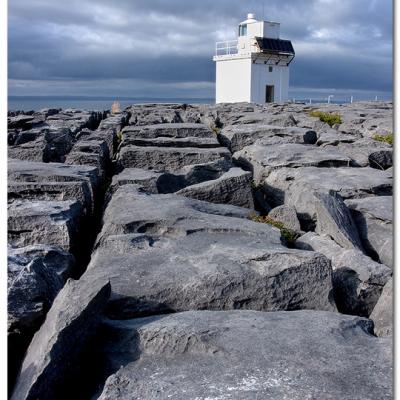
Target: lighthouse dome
[{"x": 251, "y": 18}]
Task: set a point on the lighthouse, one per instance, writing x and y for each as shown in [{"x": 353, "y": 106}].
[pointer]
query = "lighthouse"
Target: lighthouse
[{"x": 255, "y": 67}]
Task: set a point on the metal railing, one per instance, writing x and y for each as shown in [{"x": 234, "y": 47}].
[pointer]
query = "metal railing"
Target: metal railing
[
  {"x": 226, "y": 48},
  {"x": 338, "y": 100}
]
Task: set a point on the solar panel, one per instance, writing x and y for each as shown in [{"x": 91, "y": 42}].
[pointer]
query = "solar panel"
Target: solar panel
[{"x": 275, "y": 45}]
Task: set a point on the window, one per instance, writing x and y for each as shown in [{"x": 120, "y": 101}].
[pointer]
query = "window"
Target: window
[
  {"x": 243, "y": 30},
  {"x": 270, "y": 69}
]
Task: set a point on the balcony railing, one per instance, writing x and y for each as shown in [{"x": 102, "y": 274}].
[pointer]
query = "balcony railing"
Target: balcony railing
[{"x": 226, "y": 48}]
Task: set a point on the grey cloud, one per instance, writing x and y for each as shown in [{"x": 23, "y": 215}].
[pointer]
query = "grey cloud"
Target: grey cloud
[{"x": 343, "y": 44}]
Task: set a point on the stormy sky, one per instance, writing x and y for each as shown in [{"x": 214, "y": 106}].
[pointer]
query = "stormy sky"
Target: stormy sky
[{"x": 164, "y": 48}]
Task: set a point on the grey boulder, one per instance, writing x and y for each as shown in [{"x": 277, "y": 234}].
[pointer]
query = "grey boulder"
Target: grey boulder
[
  {"x": 382, "y": 315},
  {"x": 196, "y": 255},
  {"x": 367, "y": 152},
  {"x": 287, "y": 216},
  {"x": 373, "y": 217},
  {"x": 58, "y": 345},
  {"x": 44, "y": 222},
  {"x": 262, "y": 159},
  {"x": 59, "y": 191},
  {"x": 358, "y": 281},
  {"x": 347, "y": 182},
  {"x": 334, "y": 219},
  {"x": 232, "y": 187}
]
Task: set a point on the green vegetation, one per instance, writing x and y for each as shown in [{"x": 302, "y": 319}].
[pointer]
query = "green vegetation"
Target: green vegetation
[
  {"x": 289, "y": 235},
  {"x": 120, "y": 137},
  {"x": 216, "y": 130},
  {"x": 384, "y": 138},
  {"x": 330, "y": 118},
  {"x": 254, "y": 185}
]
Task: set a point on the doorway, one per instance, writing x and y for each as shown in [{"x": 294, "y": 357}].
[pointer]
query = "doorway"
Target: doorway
[{"x": 269, "y": 94}]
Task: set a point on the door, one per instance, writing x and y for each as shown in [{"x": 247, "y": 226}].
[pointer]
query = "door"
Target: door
[{"x": 269, "y": 94}]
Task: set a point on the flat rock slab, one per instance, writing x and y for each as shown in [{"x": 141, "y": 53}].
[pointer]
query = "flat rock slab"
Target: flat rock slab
[
  {"x": 33, "y": 151},
  {"x": 358, "y": 281},
  {"x": 373, "y": 217},
  {"x": 171, "y": 182},
  {"x": 58, "y": 345},
  {"x": 249, "y": 355},
  {"x": 232, "y": 187},
  {"x": 347, "y": 182},
  {"x": 168, "y": 158},
  {"x": 208, "y": 270},
  {"x": 60, "y": 191},
  {"x": 262, "y": 160},
  {"x": 378, "y": 207},
  {"x": 178, "y": 130},
  {"x": 114, "y": 122},
  {"x": 367, "y": 152},
  {"x": 148, "y": 114},
  {"x": 196, "y": 255},
  {"x": 137, "y": 176},
  {"x": 173, "y": 142},
  {"x": 44, "y": 222},
  {"x": 236, "y": 137},
  {"x": 133, "y": 211},
  {"x": 331, "y": 137},
  {"x": 108, "y": 136},
  {"x": 20, "y": 121},
  {"x": 27, "y": 171}
]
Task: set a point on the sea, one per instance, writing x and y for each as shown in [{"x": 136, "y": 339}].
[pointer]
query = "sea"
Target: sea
[{"x": 35, "y": 103}]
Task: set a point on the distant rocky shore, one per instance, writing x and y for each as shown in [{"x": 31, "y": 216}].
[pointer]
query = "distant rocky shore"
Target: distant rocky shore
[{"x": 230, "y": 251}]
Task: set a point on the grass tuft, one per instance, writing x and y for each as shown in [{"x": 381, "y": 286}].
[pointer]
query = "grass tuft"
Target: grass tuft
[
  {"x": 254, "y": 185},
  {"x": 289, "y": 235},
  {"x": 329, "y": 118},
  {"x": 120, "y": 137},
  {"x": 384, "y": 138}
]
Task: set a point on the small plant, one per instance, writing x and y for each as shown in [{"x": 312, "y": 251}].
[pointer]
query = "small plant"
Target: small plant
[
  {"x": 115, "y": 108},
  {"x": 216, "y": 130},
  {"x": 288, "y": 234},
  {"x": 254, "y": 185},
  {"x": 329, "y": 118},
  {"x": 120, "y": 137},
  {"x": 384, "y": 138}
]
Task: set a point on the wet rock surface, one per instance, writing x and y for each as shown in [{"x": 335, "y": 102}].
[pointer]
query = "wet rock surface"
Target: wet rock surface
[{"x": 182, "y": 286}]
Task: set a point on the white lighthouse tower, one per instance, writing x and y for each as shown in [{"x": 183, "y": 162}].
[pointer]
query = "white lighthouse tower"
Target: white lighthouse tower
[{"x": 255, "y": 67}]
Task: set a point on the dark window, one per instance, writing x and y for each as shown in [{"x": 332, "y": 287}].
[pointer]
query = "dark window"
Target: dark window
[
  {"x": 269, "y": 94},
  {"x": 243, "y": 30},
  {"x": 270, "y": 69}
]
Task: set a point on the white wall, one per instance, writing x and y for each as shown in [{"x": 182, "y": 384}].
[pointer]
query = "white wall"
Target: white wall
[
  {"x": 261, "y": 77},
  {"x": 271, "y": 30},
  {"x": 265, "y": 29},
  {"x": 233, "y": 81},
  {"x": 255, "y": 29}
]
